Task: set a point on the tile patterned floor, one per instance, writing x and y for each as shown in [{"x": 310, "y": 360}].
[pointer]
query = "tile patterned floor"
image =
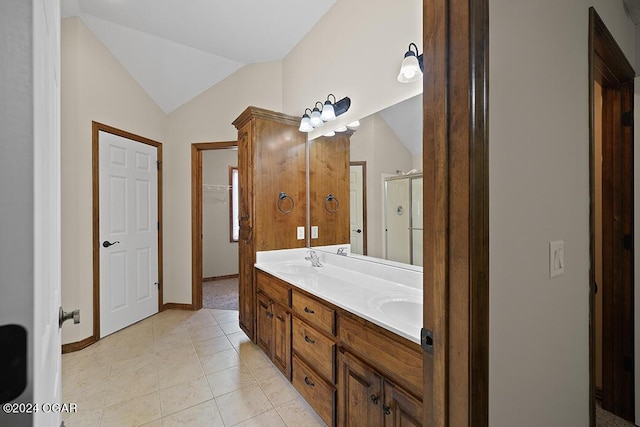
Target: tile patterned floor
[{"x": 180, "y": 368}]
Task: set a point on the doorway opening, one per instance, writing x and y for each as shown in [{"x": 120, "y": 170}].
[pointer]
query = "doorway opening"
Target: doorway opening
[
  {"x": 213, "y": 243},
  {"x": 611, "y": 304}
]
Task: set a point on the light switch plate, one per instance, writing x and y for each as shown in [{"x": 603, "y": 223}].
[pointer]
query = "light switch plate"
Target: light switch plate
[
  {"x": 314, "y": 231},
  {"x": 300, "y": 233},
  {"x": 556, "y": 258}
]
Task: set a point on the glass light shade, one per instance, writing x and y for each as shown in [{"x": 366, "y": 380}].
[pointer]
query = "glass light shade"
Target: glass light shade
[
  {"x": 341, "y": 129},
  {"x": 410, "y": 69},
  {"x": 328, "y": 113},
  {"x": 315, "y": 119},
  {"x": 330, "y": 133},
  {"x": 305, "y": 124},
  {"x": 354, "y": 124}
]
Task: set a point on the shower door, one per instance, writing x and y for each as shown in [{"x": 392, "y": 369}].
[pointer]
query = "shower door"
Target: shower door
[{"x": 403, "y": 219}]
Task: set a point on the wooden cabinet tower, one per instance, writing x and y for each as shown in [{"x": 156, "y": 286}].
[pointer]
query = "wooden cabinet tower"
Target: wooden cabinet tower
[{"x": 273, "y": 198}]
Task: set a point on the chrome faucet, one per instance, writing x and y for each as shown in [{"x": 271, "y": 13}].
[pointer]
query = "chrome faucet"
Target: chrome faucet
[
  {"x": 342, "y": 251},
  {"x": 313, "y": 257}
]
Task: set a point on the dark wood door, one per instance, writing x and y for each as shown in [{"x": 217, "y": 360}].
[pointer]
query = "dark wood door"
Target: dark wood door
[
  {"x": 281, "y": 343},
  {"x": 617, "y": 258},
  {"x": 246, "y": 289},
  {"x": 360, "y": 396},
  {"x": 264, "y": 324},
  {"x": 400, "y": 409}
]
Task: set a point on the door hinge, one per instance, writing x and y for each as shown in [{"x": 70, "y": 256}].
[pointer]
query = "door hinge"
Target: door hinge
[
  {"x": 426, "y": 340},
  {"x": 158, "y": 164},
  {"x": 158, "y": 225},
  {"x": 627, "y": 118}
]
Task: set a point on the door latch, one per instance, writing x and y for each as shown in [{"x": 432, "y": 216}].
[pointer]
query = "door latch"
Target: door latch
[{"x": 426, "y": 340}]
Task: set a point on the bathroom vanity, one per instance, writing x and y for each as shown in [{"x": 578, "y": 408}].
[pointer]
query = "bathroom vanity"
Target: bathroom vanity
[{"x": 346, "y": 334}]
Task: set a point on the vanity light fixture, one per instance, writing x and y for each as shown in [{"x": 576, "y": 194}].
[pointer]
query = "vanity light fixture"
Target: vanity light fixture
[
  {"x": 316, "y": 117},
  {"x": 412, "y": 66},
  {"x": 329, "y": 112},
  {"x": 305, "y": 123}
]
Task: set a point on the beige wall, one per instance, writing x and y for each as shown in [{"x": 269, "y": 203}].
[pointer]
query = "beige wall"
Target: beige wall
[
  {"x": 539, "y": 192},
  {"x": 375, "y": 143},
  {"x": 219, "y": 255},
  {"x": 94, "y": 86}
]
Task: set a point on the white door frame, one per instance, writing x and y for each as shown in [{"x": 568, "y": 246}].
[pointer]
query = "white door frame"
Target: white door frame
[{"x": 97, "y": 128}]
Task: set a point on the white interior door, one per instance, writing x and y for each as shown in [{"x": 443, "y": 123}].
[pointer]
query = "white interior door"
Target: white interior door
[
  {"x": 356, "y": 209},
  {"x": 128, "y": 232},
  {"x": 30, "y": 211},
  {"x": 46, "y": 212}
]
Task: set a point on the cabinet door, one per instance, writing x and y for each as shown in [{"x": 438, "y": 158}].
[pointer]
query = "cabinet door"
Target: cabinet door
[
  {"x": 400, "y": 409},
  {"x": 264, "y": 333},
  {"x": 245, "y": 175},
  {"x": 359, "y": 394},
  {"x": 281, "y": 351},
  {"x": 246, "y": 289}
]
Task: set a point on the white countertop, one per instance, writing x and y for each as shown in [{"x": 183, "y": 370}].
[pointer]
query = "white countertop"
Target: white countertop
[{"x": 388, "y": 296}]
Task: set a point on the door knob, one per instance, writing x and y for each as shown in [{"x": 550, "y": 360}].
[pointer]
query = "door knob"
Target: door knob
[
  {"x": 107, "y": 243},
  {"x": 63, "y": 316}
]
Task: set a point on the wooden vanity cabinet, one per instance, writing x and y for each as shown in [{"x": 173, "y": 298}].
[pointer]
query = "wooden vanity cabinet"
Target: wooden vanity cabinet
[
  {"x": 271, "y": 161},
  {"x": 368, "y": 399},
  {"x": 273, "y": 333},
  {"x": 351, "y": 371}
]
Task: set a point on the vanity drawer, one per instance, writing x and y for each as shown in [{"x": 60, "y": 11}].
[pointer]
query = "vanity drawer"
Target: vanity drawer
[
  {"x": 315, "y": 348},
  {"x": 275, "y": 290},
  {"x": 314, "y": 312},
  {"x": 316, "y": 391}
]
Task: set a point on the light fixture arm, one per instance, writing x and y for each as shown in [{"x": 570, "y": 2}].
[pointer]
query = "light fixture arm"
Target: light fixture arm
[{"x": 418, "y": 55}]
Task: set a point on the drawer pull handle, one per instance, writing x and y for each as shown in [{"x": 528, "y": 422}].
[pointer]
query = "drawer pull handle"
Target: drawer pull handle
[
  {"x": 386, "y": 409},
  {"x": 308, "y": 382},
  {"x": 375, "y": 399},
  {"x": 269, "y": 314},
  {"x": 309, "y": 340},
  {"x": 308, "y": 310}
]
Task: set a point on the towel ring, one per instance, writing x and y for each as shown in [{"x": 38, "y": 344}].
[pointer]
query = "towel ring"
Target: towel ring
[
  {"x": 281, "y": 198},
  {"x": 327, "y": 200}
]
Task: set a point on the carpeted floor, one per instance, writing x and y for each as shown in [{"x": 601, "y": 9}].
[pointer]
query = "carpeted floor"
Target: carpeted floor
[
  {"x": 220, "y": 294},
  {"x": 607, "y": 419}
]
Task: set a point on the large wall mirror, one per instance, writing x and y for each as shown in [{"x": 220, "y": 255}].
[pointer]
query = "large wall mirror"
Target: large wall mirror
[{"x": 365, "y": 186}]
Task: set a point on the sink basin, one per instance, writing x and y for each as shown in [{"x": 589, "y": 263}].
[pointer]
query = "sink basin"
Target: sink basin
[
  {"x": 298, "y": 269},
  {"x": 407, "y": 312},
  {"x": 404, "y": 308}
]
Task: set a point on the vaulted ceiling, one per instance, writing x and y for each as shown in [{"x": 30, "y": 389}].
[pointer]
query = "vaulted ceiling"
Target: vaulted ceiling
[{"x": 176, "y": 49}]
